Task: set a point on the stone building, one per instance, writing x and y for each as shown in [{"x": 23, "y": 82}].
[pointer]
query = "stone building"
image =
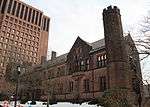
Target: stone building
[
  {"x": 23, "y": 35},
  {"x": 89, "y": 69}
]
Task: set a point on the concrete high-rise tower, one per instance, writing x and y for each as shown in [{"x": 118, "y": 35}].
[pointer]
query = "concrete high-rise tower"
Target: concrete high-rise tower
[{"x": 23, "y": 34}]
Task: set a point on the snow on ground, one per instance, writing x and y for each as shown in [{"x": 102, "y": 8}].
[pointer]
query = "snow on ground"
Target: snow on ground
[
  {"x": 40, "y": 104},
  {"x": 72, "y": 105}
]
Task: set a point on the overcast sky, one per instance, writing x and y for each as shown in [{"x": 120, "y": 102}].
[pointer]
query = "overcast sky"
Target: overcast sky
[{"x": 72, "y": 18}]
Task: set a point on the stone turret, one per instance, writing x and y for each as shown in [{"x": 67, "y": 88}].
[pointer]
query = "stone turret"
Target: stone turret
[{"x": 115, "y": 47}]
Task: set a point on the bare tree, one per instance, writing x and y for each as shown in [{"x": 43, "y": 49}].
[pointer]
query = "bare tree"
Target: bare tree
[
  {"x": 14, "y": 59},
  {"x": 143, "y": 42}
]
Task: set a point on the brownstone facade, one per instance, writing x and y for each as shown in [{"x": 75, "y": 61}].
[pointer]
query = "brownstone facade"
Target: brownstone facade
[
  {"x": 23, "y": 34},
  {"x": 89, "y": 69}
]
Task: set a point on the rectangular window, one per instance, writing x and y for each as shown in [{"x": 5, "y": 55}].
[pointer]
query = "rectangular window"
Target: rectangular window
[
  {"x": 40, "y": 19},
  {"x": 26, "y": 12},
  {"x": 9, "y": 6},
  {"x": 101, "y": 61},
  {"x": 33, "y": 16},
  {"x": 29, "y": 16},
  {"x": 87, "y": 64},
  {"x": 105, "y": 60},
  {"x": 82, "y": 66},
  {"x": 44, "y": 24},
  {"x": 102, "y": 83},
  {"x": 47, "y": 29},
  {"x": 18, "y": 10},
  {"x": 70, "y": 86},
  {"x": 0, "y": 2},
  {"x": 37, "y": 16},
  {"x": 22, "y": 11},
  {"x": 86, "y": 85},
  {"x": 4, "y": 6},
  {"x": 14, "y": 8}
]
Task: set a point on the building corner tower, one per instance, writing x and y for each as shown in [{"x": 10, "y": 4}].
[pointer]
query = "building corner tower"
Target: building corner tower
[{"x": 115, "y": 47}]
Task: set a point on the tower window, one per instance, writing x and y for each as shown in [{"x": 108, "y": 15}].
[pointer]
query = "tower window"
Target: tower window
[
  {"x": 33, "y": 16},
  {"x": 40, "y": 19},
  {"x": 14, "y": 8},
  {"x": 4, "y": 6},
  {"x": 9, "y": 6},
  {"x": 18, "y": 10},
  {"x": 22, "y": 11},
  {"x": 37, "y": 16},
  {"x": 47, "y": 24},
  {"x": 44, "y": 24},
  {"x": 26, "y": 12},
  {"x": 0, "y": 2},
  {"x": 29, "y": 16}
]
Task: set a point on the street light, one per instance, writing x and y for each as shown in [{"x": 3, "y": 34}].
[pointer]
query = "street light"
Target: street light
[
  {"x": 16, "y": 92},
  {"x": 48, "y": 92}
]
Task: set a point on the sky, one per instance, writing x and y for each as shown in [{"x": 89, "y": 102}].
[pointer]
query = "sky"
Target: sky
[{"x": 73, "y": 18}]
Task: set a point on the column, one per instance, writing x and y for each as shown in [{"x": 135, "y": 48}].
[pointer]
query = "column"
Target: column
[
  {"x": 20, "y": 10},
  {"x": 33, "y": 16},
  {"x": 16, "y": 8},
  {"x": 40, "y": 19},
  {"x": 1, "y": 1},
  {"x": 12, "y": 7},
  {"x": 23, "y": 12},
  {"x": 30, "y": 15},
  {"x": 25, "y": 15},
  {"x": 21, "y": 15},
  {"x": 6, "y": 6},
  {"x": 36, "y": 17},
  {"x": 1, "y": 4}
]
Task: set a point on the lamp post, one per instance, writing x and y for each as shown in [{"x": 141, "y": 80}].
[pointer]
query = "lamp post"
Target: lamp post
[
  {"x": 48, "y": 96},
  {"x": 16, "y": 92}
]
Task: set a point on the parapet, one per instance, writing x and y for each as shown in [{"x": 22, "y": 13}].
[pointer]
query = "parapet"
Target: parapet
[{"x": 111, "y": 9}]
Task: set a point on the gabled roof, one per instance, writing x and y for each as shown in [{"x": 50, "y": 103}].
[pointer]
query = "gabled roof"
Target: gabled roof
[
  {"x": 97, "y": 45},
  {"x": 58, "y": 60}
]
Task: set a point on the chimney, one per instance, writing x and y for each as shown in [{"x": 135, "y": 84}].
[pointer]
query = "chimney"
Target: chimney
[{"x": 53, "y": 55}]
